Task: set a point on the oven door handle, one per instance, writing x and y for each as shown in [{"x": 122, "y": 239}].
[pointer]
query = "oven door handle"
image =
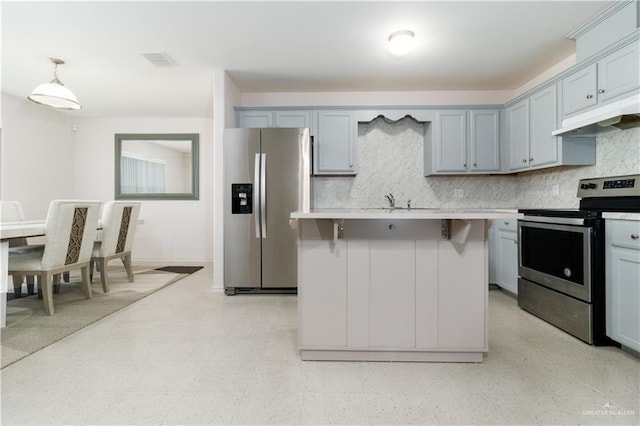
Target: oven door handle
[{"x": 555, "y": 220}]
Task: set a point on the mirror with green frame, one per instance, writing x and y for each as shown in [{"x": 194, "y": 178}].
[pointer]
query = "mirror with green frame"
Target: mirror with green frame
[{"x": 156, "y": 166}]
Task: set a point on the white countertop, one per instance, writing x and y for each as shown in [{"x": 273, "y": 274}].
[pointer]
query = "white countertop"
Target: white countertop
[
  {"x": 622, "y": 216},
  {"x": 414, "y": 213}
]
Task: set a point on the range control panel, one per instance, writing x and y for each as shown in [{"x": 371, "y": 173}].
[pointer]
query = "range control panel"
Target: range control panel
[{"x": 615, "y": 186}]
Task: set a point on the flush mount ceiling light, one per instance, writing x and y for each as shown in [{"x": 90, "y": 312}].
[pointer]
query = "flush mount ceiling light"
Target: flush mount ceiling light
[
  {"x": 401, "y": 42},
  {"x": 54, "y": 94}
]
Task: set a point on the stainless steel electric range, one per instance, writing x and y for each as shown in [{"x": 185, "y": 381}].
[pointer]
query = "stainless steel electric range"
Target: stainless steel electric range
[{"x": 561, "y": 259}]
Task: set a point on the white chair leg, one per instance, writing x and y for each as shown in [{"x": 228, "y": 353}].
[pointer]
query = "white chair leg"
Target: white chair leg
[
  {"x": 126, "y": 261},
  {"x": 47, "y": 292},
  {"x": 86, "y": 283}
]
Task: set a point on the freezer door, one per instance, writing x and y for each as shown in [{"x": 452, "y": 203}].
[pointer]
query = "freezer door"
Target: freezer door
[
  {"x": 241, "y": 230},
  {"x": 287, "y": 164}
]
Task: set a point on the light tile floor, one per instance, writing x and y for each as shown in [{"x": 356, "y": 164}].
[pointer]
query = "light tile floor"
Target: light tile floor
[{"x": 185, "y": 355}]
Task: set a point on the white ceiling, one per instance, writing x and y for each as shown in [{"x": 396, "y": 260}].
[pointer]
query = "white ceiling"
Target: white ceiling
[{"x": 277, "y": 47}]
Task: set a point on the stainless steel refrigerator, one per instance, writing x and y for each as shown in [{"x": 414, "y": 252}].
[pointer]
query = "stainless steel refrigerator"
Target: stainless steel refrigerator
[{"x": 267, "y": 175}]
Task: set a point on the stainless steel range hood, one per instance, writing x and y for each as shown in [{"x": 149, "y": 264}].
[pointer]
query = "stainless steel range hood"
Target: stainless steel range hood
[{"x": 619, "y": 115}]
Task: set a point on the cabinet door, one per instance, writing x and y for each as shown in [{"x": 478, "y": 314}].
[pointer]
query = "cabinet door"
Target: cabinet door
[
  {"x": 543, "y": 148},
  {"x": 451, "y": 141},
  {"x": 255, "y": 119},
  {"x": 334, "y": 149},
  {"x": 623, "y": 322},
  {"x": 579, "y": 90},
  {"x": 623, "y": 282},
  {"x": 518, "y": 134},
  {"x": 392, "y": 298},
  {"x": 462, "y": 292},
  {"x": 322, "y": 293},
  {"x": 619, "y": 72},
  {"x": 507, "y": 265},
  {"x": 294, "y": 119},
  {"x": 484, "y": 140}
]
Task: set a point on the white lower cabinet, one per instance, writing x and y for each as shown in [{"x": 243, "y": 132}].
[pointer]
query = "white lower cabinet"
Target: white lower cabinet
[
  {"x": 623, "y": 282},
  {"x": 505, "y": 254},
  {"x": 372, "y": 294}
]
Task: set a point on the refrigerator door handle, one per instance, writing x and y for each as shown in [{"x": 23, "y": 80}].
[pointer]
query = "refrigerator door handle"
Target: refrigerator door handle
[
  {"x": 263, "y": 195},
  {"x": 256, "y": 200}
]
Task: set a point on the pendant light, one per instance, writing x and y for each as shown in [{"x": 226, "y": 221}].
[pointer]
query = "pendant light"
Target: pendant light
[
  {"x": 54, "y": 93},
  {"x": 401, "y": 42}
]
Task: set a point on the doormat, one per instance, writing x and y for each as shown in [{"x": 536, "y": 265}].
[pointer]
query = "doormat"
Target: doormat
[{"x": 180, "y": 269}]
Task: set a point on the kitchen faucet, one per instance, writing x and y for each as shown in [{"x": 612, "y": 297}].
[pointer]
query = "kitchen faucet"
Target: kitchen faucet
[{"x": 391, "y": 199}]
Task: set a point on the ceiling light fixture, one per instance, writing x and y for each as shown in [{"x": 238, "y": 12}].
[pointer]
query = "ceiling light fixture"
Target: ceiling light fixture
[
  {"x": 401, "y": 42},
  {"x": 54, "y": 93}
]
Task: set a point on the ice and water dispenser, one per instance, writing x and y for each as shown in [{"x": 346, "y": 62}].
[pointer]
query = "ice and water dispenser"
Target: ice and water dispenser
[{"x": 241, "y": 198}]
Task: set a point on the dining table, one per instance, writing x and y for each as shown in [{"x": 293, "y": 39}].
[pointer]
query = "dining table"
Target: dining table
[{"x": 8, "y": 232}]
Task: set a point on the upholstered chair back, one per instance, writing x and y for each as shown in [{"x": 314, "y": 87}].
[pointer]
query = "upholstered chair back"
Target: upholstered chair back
[
  {"x": 11, "y": 211},
  {"x": 119, "y": 220},
  {"x": 70, "y": 231}
]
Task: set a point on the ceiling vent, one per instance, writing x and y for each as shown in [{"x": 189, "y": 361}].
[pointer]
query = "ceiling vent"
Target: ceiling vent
[{"x": 161, "y": 59}]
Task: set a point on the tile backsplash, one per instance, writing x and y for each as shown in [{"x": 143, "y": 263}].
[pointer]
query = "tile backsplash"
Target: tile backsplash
[{"x": 390, "y": 160}]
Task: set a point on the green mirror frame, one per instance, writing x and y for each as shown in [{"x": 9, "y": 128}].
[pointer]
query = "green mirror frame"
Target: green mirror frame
[{"x": 166, "y": 139}]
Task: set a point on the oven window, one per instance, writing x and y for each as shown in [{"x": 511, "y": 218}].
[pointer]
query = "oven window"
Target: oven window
[{"x": 554, "y": 252}]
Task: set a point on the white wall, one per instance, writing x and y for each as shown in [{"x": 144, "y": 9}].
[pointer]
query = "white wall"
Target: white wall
[
  {"x": 173, "y": 230},
  {"x": 37, "y": 155},
  {"x": 226, "y": 95}
]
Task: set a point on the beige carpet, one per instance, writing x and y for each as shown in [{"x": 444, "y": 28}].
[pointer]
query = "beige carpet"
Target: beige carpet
[{"x": 30, "y": 329}]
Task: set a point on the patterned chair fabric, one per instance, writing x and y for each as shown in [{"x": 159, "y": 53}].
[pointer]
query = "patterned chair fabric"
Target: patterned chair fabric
[
  {"x": 70, "y": 231},
  {"x": 119, "y": 220}
]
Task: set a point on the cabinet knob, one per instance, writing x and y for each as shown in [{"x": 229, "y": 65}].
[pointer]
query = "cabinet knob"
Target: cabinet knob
[
  {"x": 531, "y": 159},
  {"x": 589, "y": 96},
  {"x": 515, "y": 242},
  {"x": 350, "y": 164},
  {"x": 475, "y": 165},
  {"x": 524, "y": 160},
  {"x": 392, "y": 227},
  {"x": 600, "y": 90},
  {"x": 634, "y": 236},
  {"x": 464, "y": 165},
  {"x": 506, "y": 222}
]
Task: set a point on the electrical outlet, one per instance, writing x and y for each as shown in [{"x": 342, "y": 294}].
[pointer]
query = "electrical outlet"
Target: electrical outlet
[
  {"x": 458, "y": 193},
  {"x": 555, "y": 190}
]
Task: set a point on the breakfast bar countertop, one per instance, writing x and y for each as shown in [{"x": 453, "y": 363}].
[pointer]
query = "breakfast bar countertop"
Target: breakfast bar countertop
[{"x": 404, "y": 213}]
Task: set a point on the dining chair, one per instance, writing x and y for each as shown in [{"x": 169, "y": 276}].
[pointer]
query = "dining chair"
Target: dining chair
[
  {"x": 119, "y": 220},
  {"x": 11, "y": 211},
  {"x": 70, "y": 230}
]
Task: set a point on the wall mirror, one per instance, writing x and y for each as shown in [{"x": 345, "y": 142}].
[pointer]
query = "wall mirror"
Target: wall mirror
[{"x": 156, "y": 166}]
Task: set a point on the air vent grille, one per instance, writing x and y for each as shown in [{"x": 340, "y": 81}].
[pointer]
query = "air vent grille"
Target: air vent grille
[{"x": 161, "y": 59}]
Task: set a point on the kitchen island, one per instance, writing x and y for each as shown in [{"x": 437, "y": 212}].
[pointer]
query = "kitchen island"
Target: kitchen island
[{"x": 393, "y": 284}]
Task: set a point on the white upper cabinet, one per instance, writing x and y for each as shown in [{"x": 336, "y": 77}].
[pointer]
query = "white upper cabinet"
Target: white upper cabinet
[
  {"x": 518, "y": 135},
  {"x": 451, "y": 141},
  {"x": 579, "y": 90},
  {"x": 464, "y": 141},
  {"x": 612, "y": 77},
  {"x": 619, "y": 72},
  {"x": 530, "y": 143},
  {"x": 255, "y": 119},
  {"x": 293, "y": 118},
  {"x": 543, "y": 112},
  {"x": 334, "y": 148},
  {"x": 484, "y": 141}
]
